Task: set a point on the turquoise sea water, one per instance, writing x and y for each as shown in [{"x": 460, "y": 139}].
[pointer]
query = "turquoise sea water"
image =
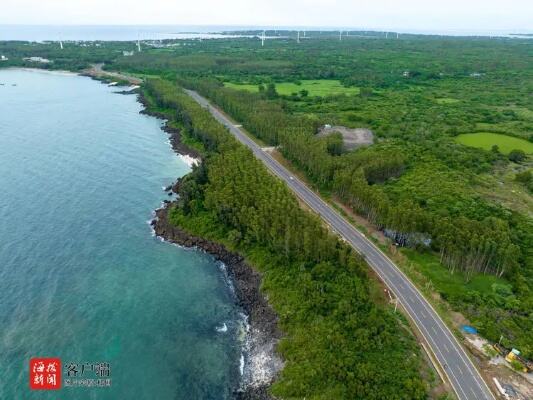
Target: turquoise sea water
[{"x": 81, "y": 276}]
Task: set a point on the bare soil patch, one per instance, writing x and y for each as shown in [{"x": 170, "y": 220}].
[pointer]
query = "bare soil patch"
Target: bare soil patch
[{"x": 352, "y": 138}]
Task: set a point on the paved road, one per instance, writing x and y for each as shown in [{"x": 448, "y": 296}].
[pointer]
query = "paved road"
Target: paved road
[{"x": 462, "y": 374}]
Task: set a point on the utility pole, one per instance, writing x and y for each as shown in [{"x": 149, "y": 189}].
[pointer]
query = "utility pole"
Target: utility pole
[
  {"x": 298, "y": 39},
  {"x": 263, "y": 39},
  {"x": 340, "y": 35}
]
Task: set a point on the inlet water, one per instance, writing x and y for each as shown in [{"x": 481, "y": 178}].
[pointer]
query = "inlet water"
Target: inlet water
[{"x": 81, "y": 276}]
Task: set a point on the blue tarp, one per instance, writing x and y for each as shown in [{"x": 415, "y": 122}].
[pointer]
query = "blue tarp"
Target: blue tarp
[{"x": 469, "y": 329}]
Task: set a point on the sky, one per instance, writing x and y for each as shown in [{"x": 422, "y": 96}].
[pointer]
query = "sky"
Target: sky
[{"x": 515, "y": 15}]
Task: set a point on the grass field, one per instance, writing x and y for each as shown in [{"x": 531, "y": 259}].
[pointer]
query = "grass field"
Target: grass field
[
  {"x": 447, "y": 100},
  {"x": 448, "y": 284},
  {"x": 485, "y": 140},
  {"x": 321, "y": 87}
]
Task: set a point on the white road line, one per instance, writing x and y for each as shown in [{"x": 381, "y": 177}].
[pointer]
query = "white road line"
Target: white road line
[{"x": 382, "y": 266}]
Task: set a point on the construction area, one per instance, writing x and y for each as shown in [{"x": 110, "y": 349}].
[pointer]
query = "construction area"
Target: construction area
[{"x": 352, "y": 138}]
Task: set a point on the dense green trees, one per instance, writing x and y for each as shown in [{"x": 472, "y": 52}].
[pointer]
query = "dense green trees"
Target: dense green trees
[
  {"x": 339, "y": 343},
  {"x": 476, "y": 244},
  {"x": 517, "y": 155}
]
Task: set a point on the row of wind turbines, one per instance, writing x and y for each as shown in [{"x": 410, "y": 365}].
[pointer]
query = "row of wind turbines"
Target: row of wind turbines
[{"x": 263, "y": 36}]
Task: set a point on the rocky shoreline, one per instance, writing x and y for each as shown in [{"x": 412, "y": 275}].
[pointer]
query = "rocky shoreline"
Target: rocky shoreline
[
  {"x": 263, "y": 335},
  {"x": 261, "y": 360},
  {"x": 174, "y": 134}
]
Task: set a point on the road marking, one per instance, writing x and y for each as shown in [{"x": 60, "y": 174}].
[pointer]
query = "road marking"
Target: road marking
[
  {"x": 446, "y": 347},
  {"x": 318, "y": 204}
]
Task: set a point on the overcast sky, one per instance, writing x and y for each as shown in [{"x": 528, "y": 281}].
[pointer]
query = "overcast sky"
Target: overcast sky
[{"x": 406, "y": 14}]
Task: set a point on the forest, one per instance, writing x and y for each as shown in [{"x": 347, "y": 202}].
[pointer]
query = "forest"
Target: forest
[
  {"x": 392, "y": 185},
  {"x": 339, "y": 343}
]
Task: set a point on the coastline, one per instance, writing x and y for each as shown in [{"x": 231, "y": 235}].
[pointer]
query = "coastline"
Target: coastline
[
  {"x": 261, "y": 362},
  {"x": 174, "y": 134}
]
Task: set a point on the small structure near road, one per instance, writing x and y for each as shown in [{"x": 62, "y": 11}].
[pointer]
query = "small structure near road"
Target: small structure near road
[
  {"x": 3, "y": 58},
  {"x": 37, "y": 59},
  {"x": 352, "y": 138},
  {"x": 469, "y": 329}
]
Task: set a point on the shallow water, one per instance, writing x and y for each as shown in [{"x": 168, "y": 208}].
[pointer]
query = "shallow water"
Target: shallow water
[{"x": 81, "y": 276}]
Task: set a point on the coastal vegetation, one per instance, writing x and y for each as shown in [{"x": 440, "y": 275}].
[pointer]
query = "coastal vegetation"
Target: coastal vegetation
[{"x": 339, "y": 342}]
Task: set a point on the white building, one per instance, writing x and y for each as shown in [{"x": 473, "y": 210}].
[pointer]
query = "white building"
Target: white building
[
  {"x": 3, "y": 58},
  {"x": 127, "y": 53}
]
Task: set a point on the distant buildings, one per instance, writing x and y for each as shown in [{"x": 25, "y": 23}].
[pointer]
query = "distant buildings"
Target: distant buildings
[{"x": 127, "y": 53}]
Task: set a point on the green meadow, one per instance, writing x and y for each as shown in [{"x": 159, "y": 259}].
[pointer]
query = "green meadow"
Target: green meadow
[
  {"x": 451, "y": 285},
  {"x": 315, "y": 87},
  {"x": 485, "y": 140},
  {"x": 447, "y": 100}
]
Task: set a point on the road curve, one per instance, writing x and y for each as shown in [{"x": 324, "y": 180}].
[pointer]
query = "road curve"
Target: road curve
[{"x": 462, "y": 374}]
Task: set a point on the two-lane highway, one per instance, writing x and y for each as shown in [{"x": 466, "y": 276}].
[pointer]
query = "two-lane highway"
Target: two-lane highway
[{"x": 462, "y": 374}]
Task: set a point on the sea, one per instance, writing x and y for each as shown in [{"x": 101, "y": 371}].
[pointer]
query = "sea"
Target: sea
[
  {"x": 83, "y": 279},
  {"x": 39, "y": 33}
]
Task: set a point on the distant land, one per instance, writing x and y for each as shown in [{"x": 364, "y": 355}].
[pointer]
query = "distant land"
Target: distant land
[{"x": 160, "y": 32}]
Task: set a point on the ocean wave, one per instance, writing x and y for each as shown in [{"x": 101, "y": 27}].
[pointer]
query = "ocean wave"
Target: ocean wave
[{"x": 190, "y": 161}]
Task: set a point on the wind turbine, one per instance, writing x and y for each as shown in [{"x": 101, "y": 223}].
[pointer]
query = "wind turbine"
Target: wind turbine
[
  {"x": 263, "y": 39},
  {"x": 139, "y": 42}
]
